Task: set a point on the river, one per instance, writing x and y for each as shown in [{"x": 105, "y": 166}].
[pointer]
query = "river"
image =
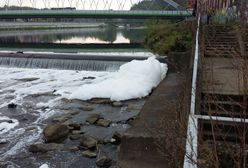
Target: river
[{"x": 37, "y": 91}]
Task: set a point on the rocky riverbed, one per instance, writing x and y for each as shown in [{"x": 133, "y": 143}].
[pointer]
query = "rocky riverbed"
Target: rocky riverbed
[
  {"x": 68, "y": 133},
  {"x": 61, "y": 118},
  {"x": 73, "y": 133}
]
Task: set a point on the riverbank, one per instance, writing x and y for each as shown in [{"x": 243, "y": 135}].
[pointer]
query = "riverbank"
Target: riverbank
[{"x": 46, "y": 25}]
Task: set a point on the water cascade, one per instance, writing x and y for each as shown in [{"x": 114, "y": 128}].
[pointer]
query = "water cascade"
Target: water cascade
[{"x": 65, "y": 64}]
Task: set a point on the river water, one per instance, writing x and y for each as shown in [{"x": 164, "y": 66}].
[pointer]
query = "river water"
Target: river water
[
  {"x": 38, "y": 107},
  {"x": 110, "y": 34}
]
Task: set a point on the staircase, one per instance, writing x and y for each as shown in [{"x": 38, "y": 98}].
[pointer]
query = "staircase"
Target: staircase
[{"x": 223, "y": 104}]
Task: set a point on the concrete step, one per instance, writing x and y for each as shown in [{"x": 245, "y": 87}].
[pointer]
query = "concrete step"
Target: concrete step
[{"x": 221, "y": 130}]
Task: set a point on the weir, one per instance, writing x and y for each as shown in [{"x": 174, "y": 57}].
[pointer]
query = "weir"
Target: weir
[
  {"x": 66, "y": 61},
  {"x": 66, "y": 64}
]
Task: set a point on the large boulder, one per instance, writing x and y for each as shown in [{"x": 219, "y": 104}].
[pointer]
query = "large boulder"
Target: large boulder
[
  {"x": 88, "y": 142},
  {"x": 45, "y": 147},
  {"x": 55, "y": 133}
]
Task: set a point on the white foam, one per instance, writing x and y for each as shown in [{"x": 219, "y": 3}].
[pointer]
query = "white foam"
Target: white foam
[
  {"x": 135, "y": 79},
  {"x": 44, "y": 166},
  {"x": 5, "y": 125}
]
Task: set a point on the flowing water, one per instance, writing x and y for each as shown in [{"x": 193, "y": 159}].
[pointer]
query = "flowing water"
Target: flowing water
[{"x": 37, "y": 109}]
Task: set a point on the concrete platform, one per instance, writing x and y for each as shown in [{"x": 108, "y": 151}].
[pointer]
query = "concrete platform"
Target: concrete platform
[{"x": 223, "y": 76}]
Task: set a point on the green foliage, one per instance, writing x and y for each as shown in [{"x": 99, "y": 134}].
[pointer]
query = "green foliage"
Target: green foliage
[
  {"x": 163, "y": 37},
  {"x": 150, "y": 5}
]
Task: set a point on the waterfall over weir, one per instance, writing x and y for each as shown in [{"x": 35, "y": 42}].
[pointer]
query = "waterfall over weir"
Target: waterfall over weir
[{"x": 65, "y": 64}]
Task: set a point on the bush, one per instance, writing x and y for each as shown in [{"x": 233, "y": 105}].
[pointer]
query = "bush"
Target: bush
[{"x": 163, "y": 37}]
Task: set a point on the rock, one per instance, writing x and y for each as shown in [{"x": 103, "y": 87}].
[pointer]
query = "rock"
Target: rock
[
  {"x": 3, "y": 164},
  {"x": 117, "y": 136},
  {"x": 45, "y": 147},
  {"x": 49, "y": 93},
  {"x": 75, "y": 137},
  {"x": 104, "y": 161},
  {"x": 89, "y": 77},
  {"x": 100, "y": 101},
  {"x": 3, "y": 141},
  {"x": 103, "y": 123},
  {"x": 76, "y": 132},
  {"x": 7, "y": 121},
  {"x": 89, "y": 154},
  {"x": 133, "y": 108},
  {"x": 28, "y": 79},
  {"x": 61, "y": 119},
  {"x": 93, "y": 118},
  {"x": 55, "y": 132},
  {"x": 12, "y": 105},
  {"x": 19, "y": 52},
  {"x": 88, "y": 142},
  {"x": 117, "y": 104},
  {"x": 87, "y": 108},
  {"x": 72, "y": 149},
  {"x": 74, "y": 113},
  {"x": 74, "y": 126}
]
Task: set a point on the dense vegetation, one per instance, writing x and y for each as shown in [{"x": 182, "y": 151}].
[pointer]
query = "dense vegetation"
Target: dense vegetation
[
  {"x": 150, "y": 5},
  {"x": 164, "y": 36}
]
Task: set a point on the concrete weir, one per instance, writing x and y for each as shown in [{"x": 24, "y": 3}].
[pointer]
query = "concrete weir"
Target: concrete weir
[{"x": 66, "y": 61}]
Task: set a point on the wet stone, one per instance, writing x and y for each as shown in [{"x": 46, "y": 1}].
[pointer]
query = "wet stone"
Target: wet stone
[
  {"x": 100, "y": 101},
  {"x": 74, "y": 126},
  {"x": 45, "y": 147},
  {"x": 3, "y": 141},
  {"x": 103, "y": 123},
  {"x": 3, "y": 164},
  {"x": 92, "y": 119},
  {"x": 117, "y": 104},
  {"x": 75, "y": 132},
  {"x": 12, "y": 105},
  {"x": 75, "y": 137},
  {"x": 74, "y": 113},
  {"x": 55, "y": 132},
  {"x": 7, "y": 121},
  {"x": 87, "y": 108},
  {"x": 104, "y": 161},
  {"x": 89, "y": 154},
  {"x": 61, "y": 119},
  {"x": 89, "y": 77},
  {"x": 50, "y": 93},
  {"x": 88, "y": 142},
  {"x": 133, "y": 108},
  {"x": 71, "y": 149},
  {"x": 27, "y": 79},
  {"x": 117, "y": 137}
]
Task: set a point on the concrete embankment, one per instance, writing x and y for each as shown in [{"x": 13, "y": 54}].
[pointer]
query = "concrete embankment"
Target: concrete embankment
[
  {"x": 150, "y": 142},
  {"x": 43, "y": 25}
]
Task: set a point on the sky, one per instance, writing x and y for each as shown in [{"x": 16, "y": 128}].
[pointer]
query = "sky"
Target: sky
[{"x": 79, "y": 4}]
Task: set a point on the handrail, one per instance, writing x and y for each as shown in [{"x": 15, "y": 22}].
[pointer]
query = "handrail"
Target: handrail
[{"x": 190, "y": 157}]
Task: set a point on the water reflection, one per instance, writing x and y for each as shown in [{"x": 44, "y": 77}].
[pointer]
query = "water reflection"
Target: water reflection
[{"x": 109, "y": 34}]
